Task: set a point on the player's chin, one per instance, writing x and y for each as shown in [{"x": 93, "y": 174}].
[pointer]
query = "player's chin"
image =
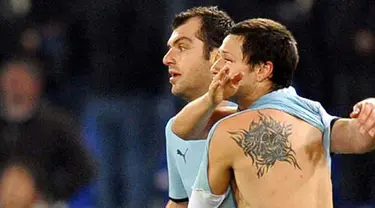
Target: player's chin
[{"x": 177, "y": 91}]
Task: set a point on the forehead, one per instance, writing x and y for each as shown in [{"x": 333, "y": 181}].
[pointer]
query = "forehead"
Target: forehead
[
  {"x": 232, "y": 44},
  {"x": 187, "y": 30}
]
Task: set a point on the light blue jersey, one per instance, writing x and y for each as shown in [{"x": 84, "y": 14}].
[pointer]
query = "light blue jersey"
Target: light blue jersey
[
  {"x": 184, "y": 159},
  {"x": 285, "y": 100}
]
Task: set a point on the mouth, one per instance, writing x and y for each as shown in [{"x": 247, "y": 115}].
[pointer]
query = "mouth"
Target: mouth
[
  {"x": 174, "y": 75},
  {"x": 214, "y": 73}
]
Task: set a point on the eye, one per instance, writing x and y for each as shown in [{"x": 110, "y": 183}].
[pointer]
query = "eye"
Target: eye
[
  {"x": 228, "y": 60},
  {"x": 181, "y": 47}
]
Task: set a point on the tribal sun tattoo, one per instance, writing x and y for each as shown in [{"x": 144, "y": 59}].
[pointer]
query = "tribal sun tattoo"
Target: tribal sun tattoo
[{"x": 266, "y": 142}]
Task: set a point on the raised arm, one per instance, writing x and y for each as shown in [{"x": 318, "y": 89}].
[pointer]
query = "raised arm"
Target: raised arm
[
  {"x": 355, "y": 135},
  {"x": 196, "y": 119},
  {"x": 193, "y": 118}
]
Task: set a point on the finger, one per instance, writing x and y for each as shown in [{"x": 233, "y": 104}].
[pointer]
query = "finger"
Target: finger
[
  {"x": 371, "y": 132},
  {"x": 225, "y": 72},
  {"x": 363, "y": 116},
  {"x": 213, "y": 91},
  {"x": 225, "y": 77},
  {"x": 370, "y": 121},
  {"x": 225, "y": 69},
  {"x": 219, "y": 76},
  {"x": 214, "y": 85},
  {"x": 218, "y": 88},
  {"x": 364, "y": 113},
  {"x": 356, "y": 110}
]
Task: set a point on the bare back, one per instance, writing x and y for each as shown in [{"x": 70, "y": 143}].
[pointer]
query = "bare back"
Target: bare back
[{"x": 278, "y": 161}]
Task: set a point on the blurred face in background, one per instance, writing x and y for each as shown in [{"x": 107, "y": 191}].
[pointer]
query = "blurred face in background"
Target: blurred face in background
[
  {"x": 188, "y": 67},
  {"x": 20, "y": 92}
]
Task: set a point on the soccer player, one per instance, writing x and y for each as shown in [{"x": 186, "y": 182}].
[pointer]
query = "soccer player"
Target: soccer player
[
  {"x": 193, "y": 45},
  {"x": 278, "y": 147}
]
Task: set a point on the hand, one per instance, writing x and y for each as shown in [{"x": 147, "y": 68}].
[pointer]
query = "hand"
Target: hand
[
  {"x": 364, "y": 112},
  {"x": 224, "y": 85}
]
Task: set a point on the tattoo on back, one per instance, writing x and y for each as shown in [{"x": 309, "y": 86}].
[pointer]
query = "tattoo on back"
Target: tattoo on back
[{"x": 266, "y": 142}]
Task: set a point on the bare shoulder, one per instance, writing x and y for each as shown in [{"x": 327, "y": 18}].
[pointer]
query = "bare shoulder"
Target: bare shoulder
[
  {"x": 245, "y": 118},
  {"x": 250, "y": 120},
  {"x": 222, "y": 135},
  {"x": 263, "y": 136}
]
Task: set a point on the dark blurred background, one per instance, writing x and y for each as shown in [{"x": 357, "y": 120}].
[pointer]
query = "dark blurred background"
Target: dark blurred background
[{"x": 102, "y": 64}]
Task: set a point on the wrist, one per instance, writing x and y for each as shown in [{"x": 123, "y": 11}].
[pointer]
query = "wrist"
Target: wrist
[{"x": 207, "y": 100}]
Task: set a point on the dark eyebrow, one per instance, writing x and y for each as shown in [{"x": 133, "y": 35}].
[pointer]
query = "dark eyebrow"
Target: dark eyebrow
[
  {"x": 179, "y": 40},
  {"x": 224, "y": 52}
]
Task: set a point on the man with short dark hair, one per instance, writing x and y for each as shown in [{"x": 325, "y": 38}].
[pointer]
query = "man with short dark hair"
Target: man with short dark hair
[
  {"x": 278, "y": 147},
  {"x": 193, "y": 44}
]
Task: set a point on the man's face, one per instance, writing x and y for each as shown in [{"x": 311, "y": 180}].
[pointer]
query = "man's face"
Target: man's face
[
  {"x": 230, "y": 55},
  {"x": 20, "y": 92},
  {"x": 188, "y": 68}
]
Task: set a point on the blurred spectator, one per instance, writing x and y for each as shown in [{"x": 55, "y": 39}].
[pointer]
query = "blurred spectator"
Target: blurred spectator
[
  {"x": 17, "y": 187},
  {"x": 126, "y": 40},
  {"x": 39, "y": 143}
]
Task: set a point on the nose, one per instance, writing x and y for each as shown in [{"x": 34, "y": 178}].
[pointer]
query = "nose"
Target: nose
[
  {"x": 168, "y": 58},
  {"x": 219, "y": 63}
]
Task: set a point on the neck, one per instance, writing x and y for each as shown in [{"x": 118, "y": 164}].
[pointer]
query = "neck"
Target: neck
[{"x": 245, "y": 102}]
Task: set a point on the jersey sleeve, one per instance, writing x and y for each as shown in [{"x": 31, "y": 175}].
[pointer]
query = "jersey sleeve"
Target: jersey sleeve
[
  {"x": 177, "y": 192},
  {"x": 328, "y": 121}
]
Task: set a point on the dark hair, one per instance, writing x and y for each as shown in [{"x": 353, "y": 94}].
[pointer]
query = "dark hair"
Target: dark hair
[
  {"x": 267, "y": 40},
  {"x": 215, "y": 24}
]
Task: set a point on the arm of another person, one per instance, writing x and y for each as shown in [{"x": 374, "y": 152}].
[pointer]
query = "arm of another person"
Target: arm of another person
[
  {"x": 217, "y": 172},
  {"x": 196, "y": 119},
  {"x": 355, "y": 135},
  {"x": 221, "y": 156}
]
